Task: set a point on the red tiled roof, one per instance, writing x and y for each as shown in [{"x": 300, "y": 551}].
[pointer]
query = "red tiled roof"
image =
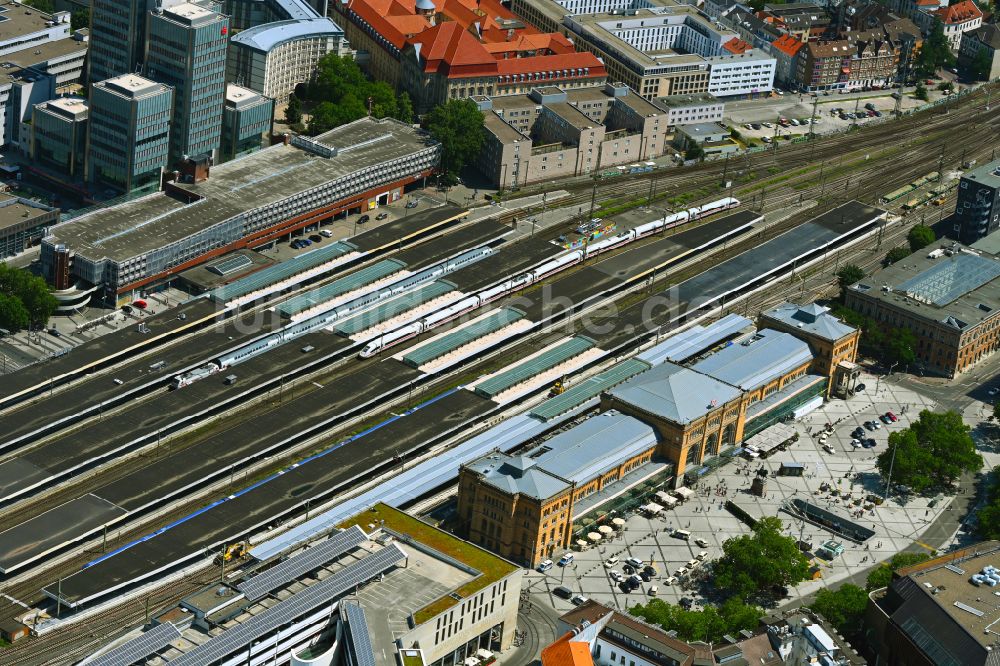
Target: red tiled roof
[
  {"x": 959, "y": 12},
  {"x": 552, "y": 63},
  {"x": 566, "y": 652},
  {"x": 787, "y": 44},
  {"x": 737, "y": 46}
]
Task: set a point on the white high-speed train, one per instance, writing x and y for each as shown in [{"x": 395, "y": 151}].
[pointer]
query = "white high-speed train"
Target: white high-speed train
[{"x": 555, "y": 265}]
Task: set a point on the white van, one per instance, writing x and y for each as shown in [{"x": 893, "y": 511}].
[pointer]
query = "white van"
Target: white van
[
  {"x": 682, "y": 534},
  {"x": 653, "y": 591}
]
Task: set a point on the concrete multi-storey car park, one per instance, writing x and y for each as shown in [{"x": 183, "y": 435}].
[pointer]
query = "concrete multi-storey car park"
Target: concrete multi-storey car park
[{"x": 295, "y": 184}]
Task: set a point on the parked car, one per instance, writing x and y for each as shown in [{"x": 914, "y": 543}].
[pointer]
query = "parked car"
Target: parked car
[
  {"x": 884, "y": 419},
  {"x": 686, "y": 603},
  {"x": 381, "y": 216},
  {"x": 702, "y": 556},
  {"x": 871, "y": 443},
  {"x": 566, "y": 559},
  {"x": 316, "y": 238},
  {"x": 859, "y": 388},
  {"x": 545, "y": 566},
  {"x": 616, "y": 575},
  {"x": 578, "y": 600},
  {"x": 992, "y": 391},
  {"x": 892, "y": 417},
  {"x": 628, "y": 569},
  {"x": 326, "y": 233},
  {"x": 870, "y": 106},
  {"x": 364, "y": 219},
  {"x": 765, "y": 139},
  {"x": 634, "y": 561},
  {"x": 54, "y": 333},
  {"x": 701, "y": 543},
  {"x": 411, "y": 204},
  {"x": 768, "y": 125},
  {"x": 828, "y": 448},
  {"x": 856, "y": 443},
  {"x": 610, "y": 562},
  {"x": 562, "y": 592},
  {"x": 653, "y": 591},
  {"x": 670, "y": 580}
]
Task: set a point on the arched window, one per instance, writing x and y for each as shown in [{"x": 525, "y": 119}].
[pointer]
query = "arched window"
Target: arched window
[
  {"x": 712, "y": 445},
  {"x": 729, "y": 435}
]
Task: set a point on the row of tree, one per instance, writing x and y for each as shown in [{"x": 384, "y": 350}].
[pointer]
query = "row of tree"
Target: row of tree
[
  {"x": 341, "y": 93},
  {"x": 989, "y": 515},
  {"x": 845, "y": 607},
  {"x": 24, "y": 299},
  {"x": 709, "y": 624},
  {"x": 754, "y": 568},
  {"x": 931, "y": 454}
]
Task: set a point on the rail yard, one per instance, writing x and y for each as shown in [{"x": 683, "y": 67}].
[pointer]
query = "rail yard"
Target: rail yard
[{"x": 354, "y": 371}]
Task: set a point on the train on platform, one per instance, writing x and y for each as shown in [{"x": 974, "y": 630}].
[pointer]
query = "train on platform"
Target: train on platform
[
  {"x": 544, "y": 270},
  {"x": 343, "y": 311}
]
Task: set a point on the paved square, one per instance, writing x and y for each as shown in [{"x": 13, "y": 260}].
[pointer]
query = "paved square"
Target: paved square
[{"x": 847, "y": 470}]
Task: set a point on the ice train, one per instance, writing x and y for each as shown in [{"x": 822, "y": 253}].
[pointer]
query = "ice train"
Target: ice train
[{"x": 562, "y": 262}]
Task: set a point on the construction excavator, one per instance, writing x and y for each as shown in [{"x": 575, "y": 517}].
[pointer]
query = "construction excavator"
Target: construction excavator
[
  {"x": 557, "y": 388},
  {"x": 233, "y": 551}
]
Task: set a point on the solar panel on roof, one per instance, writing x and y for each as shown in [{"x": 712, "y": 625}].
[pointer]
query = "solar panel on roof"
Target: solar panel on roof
[
  {"x": 589, "y": 388},
  {"x": 140, "y": 647},
  {"x": 230, "y": 264},
  {"x": 282, "y": 271},
  {"x": 357, "y": 629},
  {"x": 462, "y": 336},
  {"x": 395, "y": 307},
  {"x": 341, "y": 286},
  {"x": 309, "y": 560},
  {"x": 525, "y": 371},
  {"x": 243, "y": 634}
]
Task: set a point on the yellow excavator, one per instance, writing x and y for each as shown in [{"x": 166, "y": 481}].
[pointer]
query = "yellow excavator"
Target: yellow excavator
[
  {"x": 557, "y": 388},
  {"x": 234, "y": 551}
]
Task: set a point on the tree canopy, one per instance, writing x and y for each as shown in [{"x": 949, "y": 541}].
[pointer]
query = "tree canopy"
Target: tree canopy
[
  {"x": 25, "y": 299},
  {"x": 932, "y": 453},
  {"x": 293, "y": 110},
  {"x": 935, "y": 52},
  {"x": 753, "y": 565},
  {"x": 844, "y": 607},
  {"x": 980, "y": 65},
  {"x": 79, "y": 19},
  {"x": 849, "y": 274},
  {"x": 989, "y": 515},
  {"x": 920, "y": 91},
  {"x": 709, "y": 625},
  {"x": 881, "y": 575},
  {"x": 458, "y": 125},
  {"x": 896, "y": 254},
  {"x": 341, "y": 93},
  {"x": 920, "y": 237}
]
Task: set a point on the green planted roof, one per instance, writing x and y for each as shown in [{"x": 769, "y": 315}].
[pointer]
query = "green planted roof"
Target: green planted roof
[{"x": 462, "y": 336}]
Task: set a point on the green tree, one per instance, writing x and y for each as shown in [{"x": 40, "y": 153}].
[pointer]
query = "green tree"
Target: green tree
[
  {"x": 45, "y": 6},
  {"x": 404, "y": 108},
  {"x": 458, "y": 125},
  {"x": 336, "y": 77},
  {"x": 327, "y": 115},
  {"x": 896, "y": 254},
  {"x": 881, "y": 575},
  {"x": 13, "y": 315},
  {"x": 920, "y": 237},
  {"x": 709, "y": 625},
  {"x": 694, "y": 153},
  {"x": 945, "y": 86},
  {"x": 844, "y": 608},
  {"x": 980, "y": 65},
  {"x": 29, "y": 290},
  {"x": 898, "y": 345},
  {"x": 920, "y": 92},
  {"x": 934, "y": 53},
  {"x": 79, "y": 19},
  {"x": 932, "y": 453},
  {"x": 989, "y": 515},
  {"x": 293, "y": 111},
  {"x": 755, "y": 564},
  {"x": 849, "y": 274},
  {"x": 996, "y": 410}
]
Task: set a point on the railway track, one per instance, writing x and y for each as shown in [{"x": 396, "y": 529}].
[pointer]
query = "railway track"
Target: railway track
[{"x": 56, "y": 644}]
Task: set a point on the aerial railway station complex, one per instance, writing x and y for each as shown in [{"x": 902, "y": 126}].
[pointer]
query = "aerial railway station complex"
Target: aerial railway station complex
[
  {"x": 381, "y": 321},
  {"x": 247, "y": 202}
]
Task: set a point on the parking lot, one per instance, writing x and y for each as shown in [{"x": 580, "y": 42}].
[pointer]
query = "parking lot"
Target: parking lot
[{"x": 846, "y": 472}]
